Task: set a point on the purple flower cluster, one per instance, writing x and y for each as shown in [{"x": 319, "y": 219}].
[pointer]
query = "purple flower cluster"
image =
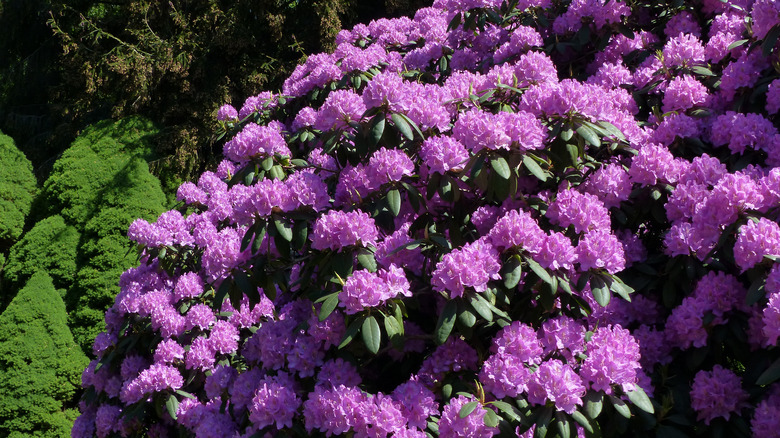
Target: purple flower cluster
[
  {"x": 618, "y": 179},
  {"x": 473, "y": 266},
  {"x": 717, "y": 393},
  {"x": 336, "y": 230},
  {"x": 367, "y": 289}
]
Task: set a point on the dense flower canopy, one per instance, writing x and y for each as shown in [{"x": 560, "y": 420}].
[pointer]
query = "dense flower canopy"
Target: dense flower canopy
[{"x": 494, "y": 217}]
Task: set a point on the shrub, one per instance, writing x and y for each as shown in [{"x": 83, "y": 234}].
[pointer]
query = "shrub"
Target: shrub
[
  {"x": 517, "y": 218},
  {"x": 17, "y": 190},
  {"x": 50, "y": 246},
  {"x": 39, "y": 364}
]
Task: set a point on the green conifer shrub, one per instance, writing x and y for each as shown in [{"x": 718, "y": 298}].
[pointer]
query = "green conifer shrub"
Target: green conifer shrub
[
  {"x": 49, "y": 246},
  {"x": 17, "y": 189},
  {"x": 40, "y": 364}
]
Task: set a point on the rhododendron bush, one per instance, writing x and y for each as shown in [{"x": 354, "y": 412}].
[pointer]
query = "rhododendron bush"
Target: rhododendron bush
[{"x": 526, "y": 218}]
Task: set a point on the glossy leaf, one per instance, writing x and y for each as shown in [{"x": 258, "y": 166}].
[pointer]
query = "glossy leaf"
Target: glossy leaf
[
  {"x": 446, "y": 321},
  {"x": 372, "y": 335}
]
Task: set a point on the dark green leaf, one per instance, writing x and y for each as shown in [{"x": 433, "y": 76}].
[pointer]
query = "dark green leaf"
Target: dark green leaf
[
  {"x": 185, "y": 394},
  {"x": 300, "y": 234},
  {"x": 593, "y": 404},
  {"x": 446, "y": 321},
  {"x": 501, "y": 167},
  {"x": 582, "y": 420},
  {"x": 770, "y": 375},
  {"x": 372, "y": 335},
  {"x": 620, "y": 406},
  {"x": 640, "y": 399},
  {"x": 534, "y": 168},
  {"x": 259, "y": 236},
  {"x": 468, "y": 408},
  {"x": 267, "y": 163},
  {"x": 328, "y": 306},
  {"x": 402, "y": 126},
  {"x": 770, "y": 40},
  {"x": 394, "y": 201},
  {"x": 539, "y": 270},
  {"x": 512, "y": 272},
  {"x": 466, "y": 317},
  {"x": 377, "y": 128},
  {"x": 481, "y": 306},
  {"x": 512, "y": 412},
  {"x": 543, "y": 422},
  {"x": 351, "y": 331},
  {"x": 600, "y": 290},
  {"x": 756, "y": 291},
  {"x": 221, "y": 293},
  {"x": 736, "y": 44},
  {"x": 284, "y": 228},
  {"x": 562, "y": 422},
  {"x": 589, "y": 135}
]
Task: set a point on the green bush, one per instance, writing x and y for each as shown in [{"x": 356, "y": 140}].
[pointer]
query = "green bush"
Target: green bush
[
  {"x": 92, "y": 165},
  {"x": 17, "y": 190},
  {"x": 49, "y": 246},
  {"x": 40, "y": 364}
]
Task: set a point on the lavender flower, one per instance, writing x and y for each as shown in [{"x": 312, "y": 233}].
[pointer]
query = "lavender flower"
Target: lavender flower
[
  {"x": 471, "y": 266},
  {"x": 472, "y": 426},
  {"x": 717, "y": 393},
  {"x": 256, "y": 141},
  {"x": 613, "y": 359},
  {"x": 557, "y": 382},
  {"x": 340, "y": 108},
  {"x": 336, "y": 229}
]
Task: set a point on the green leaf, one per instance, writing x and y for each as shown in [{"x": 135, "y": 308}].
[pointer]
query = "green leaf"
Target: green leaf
[
  {"x": 704, "y": 71},
  {"x": 284, "y": 229},
  {"x": 267, "y": 163},
  {"x": 367, "y": 260},
  {"x": 620, "y": 288},
  {"x": 391, "y": 327},
  {"x": 539, "y": 270},
  {"x": 582, "y": 420},
  {"x": 491, "y": 419},
  {"x": 562, "y": 422},
  {"x": 512, "y": 272},
  {"x": 640, "y": 399},
  {"x": 377, "y": 126},
  {"x": 172, "y": 405},
  {"x": 501, "y": 167},
  {"x": 534, "y": 168},
  {"x": 770, "y": 375},
  {"x": 620, "y": 406},
  {"x": 543, "y": 422},
  {"x": 298, "y": 162},
  {"x": 466, "y": 317},
  {"x": 567, "y": 134},
  {"x": 600, "y": 290},
  {"x": 300, "y": 234},
  {"x": 185, "y": 394},
  {"x": 351, "y": 331},
  {"x": 512, "y": 412},
  {"x": 394, "y": 201},
  {"x": 372, "y": 335},
  {"x": 594, "y": 401},
  {"x": 736, "y": 44},
  {"x": 259, "y": 236},
  {"x": 589, "y": 135},
  {"x": 481, "y": 306},
  {"x": 402, "y": 126},
  {"x": 468, "y": 408},
  {"x": 329, "y": 305},
  {"x": 446, "y": 321}
]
